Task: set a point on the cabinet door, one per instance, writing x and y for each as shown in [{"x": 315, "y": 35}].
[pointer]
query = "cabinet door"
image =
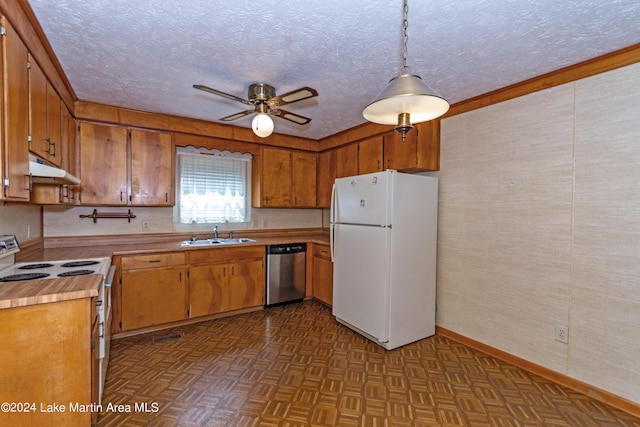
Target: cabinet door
[
  {"x": 246, "y": 284},
  {"x": 276, "y": 177},
  {"x": 304, "y": 179},
  {"x": 323, "y": 278},
  {"x": 428, "y": 145},
  {"x": 153, "y": 297},
  {"x": 69, "y": 153},
  {"x": 326, "y": 177},
  {"x": 103, "y": 164},
  {"x": 419, "y": 152},
  {"x": 65, "y": 146},
  {"x": 370, "y": 155},
  {"x": 53, "y": 126},
  {"x": 398, "y": 154},
  {"x": 347, "y": 161},
  {"x": 206, "y": 289},
  {"x": 38, "y": 110},
  {"x": 95, "y": 361},
  {"x": 16, "y": 111},
  {"x": 151, "y": 168}
]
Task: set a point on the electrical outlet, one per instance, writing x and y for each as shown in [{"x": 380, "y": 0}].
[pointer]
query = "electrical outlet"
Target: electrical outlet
[
  {"x": 145, "y": 225},
  {"x": 562, "y": 333},
  {"x": 28, "y": 231}
]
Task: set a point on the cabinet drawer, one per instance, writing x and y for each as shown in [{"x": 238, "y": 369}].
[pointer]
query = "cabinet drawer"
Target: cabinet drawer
[
  {"x": 153, "y": 260},
  {"x": 322, "y": 251},
  {"x": 200, "y": 256}
]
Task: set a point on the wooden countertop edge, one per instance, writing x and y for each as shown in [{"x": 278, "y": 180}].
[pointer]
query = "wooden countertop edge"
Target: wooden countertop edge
[{"x": 24, "y": 293}]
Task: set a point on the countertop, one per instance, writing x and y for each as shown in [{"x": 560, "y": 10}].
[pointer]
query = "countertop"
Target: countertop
[
  {"x": 23, "y": 293},
  {"x": 169, "y": 245}
]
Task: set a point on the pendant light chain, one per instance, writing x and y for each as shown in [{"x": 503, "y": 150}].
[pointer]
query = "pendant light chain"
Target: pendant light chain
[{"x": 405, "y": 42}]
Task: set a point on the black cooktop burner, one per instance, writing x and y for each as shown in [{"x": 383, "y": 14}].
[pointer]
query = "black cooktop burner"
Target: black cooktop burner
[
  {"x": 79, "y": 263},
  {"x": 75, "y": 273},
  {"x": 23, "y": 276},
  {"x": 34, "y": 266}
]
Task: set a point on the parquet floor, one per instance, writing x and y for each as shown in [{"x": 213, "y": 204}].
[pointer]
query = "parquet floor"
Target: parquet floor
[{"x": 295, "y": 366}]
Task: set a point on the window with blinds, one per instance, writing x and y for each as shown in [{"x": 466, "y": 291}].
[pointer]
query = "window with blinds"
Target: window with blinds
[{"x": 212, "y": 186}]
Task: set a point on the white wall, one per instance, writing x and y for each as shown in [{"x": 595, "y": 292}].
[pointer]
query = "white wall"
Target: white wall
[
  {"x": 66, "y": 221},
  {"x": 539, "y": 224},
  {"x": 22, "y": 220}
]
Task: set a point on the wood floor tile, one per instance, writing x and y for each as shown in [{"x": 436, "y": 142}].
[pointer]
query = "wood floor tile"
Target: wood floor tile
[{"x": 294, "y": 365}]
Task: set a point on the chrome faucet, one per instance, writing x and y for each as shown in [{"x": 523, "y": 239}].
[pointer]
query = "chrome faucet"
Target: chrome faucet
[{"x": 215, "y": 232}]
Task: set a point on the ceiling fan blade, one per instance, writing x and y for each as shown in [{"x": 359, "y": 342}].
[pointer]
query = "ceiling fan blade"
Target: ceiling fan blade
[
  {"x": 237, "y": 115},
  {"x": 299, "y": 120},
  {"x": 224, "y": 95},
  {"x": 293, "y": 96}
]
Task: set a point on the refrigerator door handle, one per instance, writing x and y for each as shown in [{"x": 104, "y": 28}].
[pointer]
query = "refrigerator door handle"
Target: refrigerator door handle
[{"x": 332, "y": 220}]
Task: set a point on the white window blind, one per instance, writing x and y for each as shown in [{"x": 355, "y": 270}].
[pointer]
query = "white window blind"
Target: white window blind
[{"x": 212, "y": 186}]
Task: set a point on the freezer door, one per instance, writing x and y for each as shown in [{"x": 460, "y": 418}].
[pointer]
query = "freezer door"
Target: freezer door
[
  {"x": 361, "y": 278},
  {"x": 363, "y": 199}
]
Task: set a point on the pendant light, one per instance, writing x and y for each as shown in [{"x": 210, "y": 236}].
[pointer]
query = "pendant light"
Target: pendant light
[
  {"x": 262, "y": 124},
  {"x": 406, "y": 99}
]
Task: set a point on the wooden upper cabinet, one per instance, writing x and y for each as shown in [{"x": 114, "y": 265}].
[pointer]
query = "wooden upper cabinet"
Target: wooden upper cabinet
[
  {"x": 103, "y": 164},
  {"x": 54, "y": 124},
  {"x": 14, "y": 162},
  {"x": 152, "y": 168},
  {"x": 370, "y": 155},
  {"x": 419, "y": 152},
  {"x": 44, "y": 116},
  {"x": 304, "y": 191},
  {"x": 125, "y": 167},
  {"x": 347, "y": 161},
  {"x": 275, "y": 177},
  {"x": 46, "y": 194},
  {"x": 284, "y": 178},
  {"x": 326, "y": 177}
]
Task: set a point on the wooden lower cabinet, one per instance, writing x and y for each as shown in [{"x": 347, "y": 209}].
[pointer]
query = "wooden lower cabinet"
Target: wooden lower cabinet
[
  {"x": 162, "y": 288},
  {"x": 322, "y": 274},
  {"x": 153, "y": 297},
  {"x": 46, "y": 360},
  {"x": 217, "y": 288},
  {"x": 153, "y": 289},
  {"x": 226, "y": 279}
]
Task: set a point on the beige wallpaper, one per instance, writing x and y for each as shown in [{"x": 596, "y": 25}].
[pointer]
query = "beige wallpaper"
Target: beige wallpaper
[
  {"x": 529, "y": 239},
  {"x": 605, "y": 306}
]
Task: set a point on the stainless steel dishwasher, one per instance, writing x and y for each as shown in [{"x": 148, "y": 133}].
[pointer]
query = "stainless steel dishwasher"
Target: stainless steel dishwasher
[{"x": 286, "y": 273}]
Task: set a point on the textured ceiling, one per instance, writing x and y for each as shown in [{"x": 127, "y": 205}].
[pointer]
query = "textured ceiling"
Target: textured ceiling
[{"x": 147, "y": 54}]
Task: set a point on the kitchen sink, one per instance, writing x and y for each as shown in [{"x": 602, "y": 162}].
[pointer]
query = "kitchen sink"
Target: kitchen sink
[
  {"x": 207, "y": 242},
  {"x": 236, "y": 240},
  {"x": 210, "y": 242}
]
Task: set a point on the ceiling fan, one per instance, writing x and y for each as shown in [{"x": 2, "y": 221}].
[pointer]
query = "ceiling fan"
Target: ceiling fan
[{"x": 264, "y": 102}]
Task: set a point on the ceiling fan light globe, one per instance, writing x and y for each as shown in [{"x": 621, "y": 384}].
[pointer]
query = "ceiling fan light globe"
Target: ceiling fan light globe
[
  {"x": 406, "y": 93},
  {"x": 262, "y": 125}
]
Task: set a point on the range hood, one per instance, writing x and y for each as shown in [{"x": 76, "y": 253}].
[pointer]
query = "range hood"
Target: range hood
[{"x": 43, "y": 173}]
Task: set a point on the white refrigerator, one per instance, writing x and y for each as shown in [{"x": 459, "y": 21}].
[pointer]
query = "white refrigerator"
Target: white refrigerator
[{"x": 383, "y": 235}]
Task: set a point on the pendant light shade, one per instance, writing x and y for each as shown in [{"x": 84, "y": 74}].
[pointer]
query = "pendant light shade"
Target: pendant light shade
[
  {"x": 406, "y": 99},
  {"x": 406, "y": 93}
]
